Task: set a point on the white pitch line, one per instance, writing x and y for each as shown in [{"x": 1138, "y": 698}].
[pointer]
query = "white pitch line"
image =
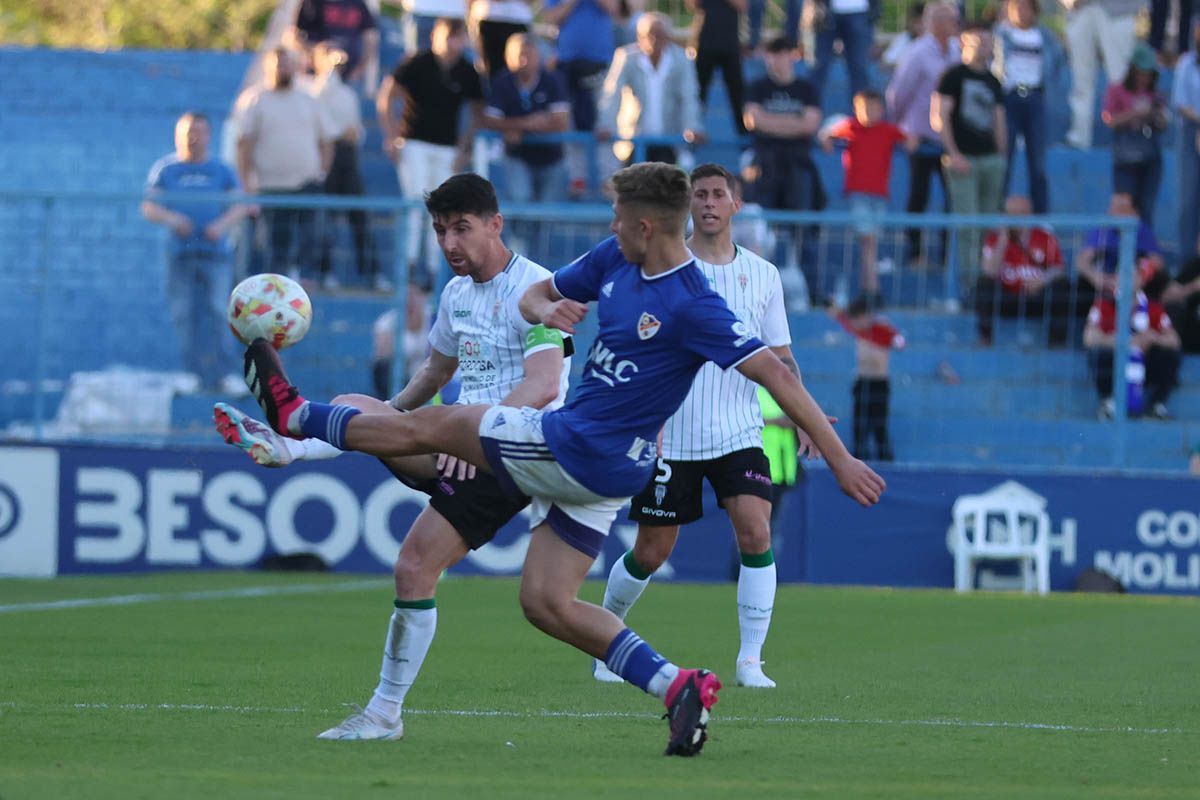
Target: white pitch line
[
  {"x": 550, "y": 714},
  {"x": 204, "y": 594}
]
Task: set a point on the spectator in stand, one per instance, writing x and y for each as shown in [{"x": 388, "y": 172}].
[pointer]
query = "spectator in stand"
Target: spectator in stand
[
  {"x": 1153, "y": 369},
  {"x": 851, "y": 23},
  {"x": 909, "y": 96},
  {"x": 347, "y": 25},
  {"x": 968, "y": 111},
  {"x": 285, "y": 148},
  {"x": 427, "y": 145},
  {"x": 1138, "y": 116},
  {"x": 199, "y": 259},
  {"x": 1185, "y": 100},
  {"x": 874, "y": 339},
  {"x": 585, "y": 49},
  {"x": 1160, "y": 10},
  {"x": 1106, "y": 26},
  {"x": 496, "y": 21},
  {"x": 1028, "y": 59},
  {"x": 1023, "y": 277},
  {"x": 783, "y": 115},
  {"x": 1182, "y": 298},
  {"x": 342, "y": 109},
  {"x": 1097, "y": 261},
  {"x": 867, "y": 161},
  {"x": 650, "y": 90},
  {"x": 529, "y": 99},
  {"x": 717, "y": 45},
  {"x": 914, "y": 28},
  {"x": 422, "y": 15}
]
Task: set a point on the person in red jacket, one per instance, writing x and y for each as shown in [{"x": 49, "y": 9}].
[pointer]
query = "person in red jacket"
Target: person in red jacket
[
  {"x": 875, "y": 338},
  {"x": 867, "y": 161}
]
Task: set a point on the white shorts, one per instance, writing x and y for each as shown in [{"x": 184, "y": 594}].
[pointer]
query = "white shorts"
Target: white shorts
[{"x": 517, "y": 453}]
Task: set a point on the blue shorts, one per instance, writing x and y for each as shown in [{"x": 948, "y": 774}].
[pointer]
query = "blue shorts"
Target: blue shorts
[{"x": 866, "y": 210}]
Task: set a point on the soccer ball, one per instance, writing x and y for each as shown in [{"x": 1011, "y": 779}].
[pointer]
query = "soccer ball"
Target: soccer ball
[{"x": 271, "y": 307}]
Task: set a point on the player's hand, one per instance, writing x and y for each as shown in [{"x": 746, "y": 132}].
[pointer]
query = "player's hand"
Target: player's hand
[
  {"x": 563, "y": 314},
  {"x": 452, "y": 466},
  {"x": 807, "y": 447},
  {"x": 958, "y": 164},
  {"x": 859, "y": 482}
]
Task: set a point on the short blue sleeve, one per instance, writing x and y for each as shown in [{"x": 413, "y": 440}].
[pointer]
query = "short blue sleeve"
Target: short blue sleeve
[
  {"x": 581, "y": 279},
  {"x": 715, "y": 332}
]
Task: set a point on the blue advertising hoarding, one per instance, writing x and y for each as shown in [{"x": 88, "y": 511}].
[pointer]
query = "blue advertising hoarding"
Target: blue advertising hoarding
[{"x": 94, "y": 510}]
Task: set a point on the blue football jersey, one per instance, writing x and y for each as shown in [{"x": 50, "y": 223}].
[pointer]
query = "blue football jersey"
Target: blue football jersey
[{"x": 655, "y": 333}]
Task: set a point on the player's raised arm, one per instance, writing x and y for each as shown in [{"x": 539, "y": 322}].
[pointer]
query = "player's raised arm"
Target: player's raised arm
[
  {"x": 543, "y": 305},
  {"x": 856, "y": 479}
]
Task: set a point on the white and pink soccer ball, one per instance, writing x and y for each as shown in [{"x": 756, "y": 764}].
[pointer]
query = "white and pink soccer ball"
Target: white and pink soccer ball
[{"x": 272, "y": 307}]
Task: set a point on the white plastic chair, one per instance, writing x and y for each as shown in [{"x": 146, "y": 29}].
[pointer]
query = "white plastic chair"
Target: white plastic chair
[{"x": 1008, "y": 522}]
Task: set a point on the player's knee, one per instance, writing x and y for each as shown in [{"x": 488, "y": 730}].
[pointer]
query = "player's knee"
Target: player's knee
[
  {"x": 754, "y": 539},
  {"x": 541, "y": 607},
  {"x": 413, "y": 576},
  {"x": 650, "y": 553}
]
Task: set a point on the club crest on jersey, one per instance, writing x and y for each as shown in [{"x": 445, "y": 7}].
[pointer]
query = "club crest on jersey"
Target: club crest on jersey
[
  {"x": 648, "y": 325},
  {"x": 660, "y": 494},
  {"x": 742, "y": 280}
]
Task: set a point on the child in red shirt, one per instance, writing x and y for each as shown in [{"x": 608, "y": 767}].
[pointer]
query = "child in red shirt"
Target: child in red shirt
[
  {"x": 870, "y": 142},
  {"x": 875, "y": 338}
]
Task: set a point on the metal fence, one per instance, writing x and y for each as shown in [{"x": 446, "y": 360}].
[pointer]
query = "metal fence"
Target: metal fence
[{"x": 92, "y": 353}]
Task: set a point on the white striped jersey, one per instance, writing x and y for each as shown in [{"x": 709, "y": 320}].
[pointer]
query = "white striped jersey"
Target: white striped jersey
[
  {"x": 721, "y": 415},
  {"x": 481, "y": 326}
]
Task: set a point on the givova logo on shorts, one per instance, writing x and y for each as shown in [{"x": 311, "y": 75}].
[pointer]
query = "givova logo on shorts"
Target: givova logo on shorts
[{"x": 28, "y": 512}]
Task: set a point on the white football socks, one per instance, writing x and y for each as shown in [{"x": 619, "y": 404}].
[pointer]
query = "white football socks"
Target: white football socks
[
  {"x": 623, "y": 589},
  {"x": 410, "y": 634},
  {"x": 755, "y": 602},
  {"x": 311, "y": 449}
]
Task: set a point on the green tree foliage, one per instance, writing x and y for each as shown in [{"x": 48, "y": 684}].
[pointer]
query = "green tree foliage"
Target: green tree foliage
[{"x": 155, "y": 24}]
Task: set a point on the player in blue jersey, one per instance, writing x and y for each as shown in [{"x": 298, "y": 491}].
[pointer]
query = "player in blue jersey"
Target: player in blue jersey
[{"x": 659, "y": 322}]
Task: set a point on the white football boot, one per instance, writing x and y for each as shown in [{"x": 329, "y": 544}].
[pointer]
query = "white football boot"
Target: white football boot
[
  {"x": 750, "y": 675},
  {"x": 602, "y": 673},
  {"x": 254, "y": 438},
  {"x": 363, "y": 725}
]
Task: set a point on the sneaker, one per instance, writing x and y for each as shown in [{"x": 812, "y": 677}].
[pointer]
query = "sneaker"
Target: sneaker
[
  {"x": 750, "y": 675},
  {"x": 362, "y": 725},
  {"x": 252, "y": 437},
  {"x": 279, "y": 400},
  {"x": 602, "y": 673},
  {"x": 1107, "y": 410},
  {"x": 691, "y": 695},
  {"x": 1160, "y": 412}
]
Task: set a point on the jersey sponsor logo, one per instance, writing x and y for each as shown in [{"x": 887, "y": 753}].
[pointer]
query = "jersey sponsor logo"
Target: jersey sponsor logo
[
  {"x": 742, "y": 332},
  {"x": 606, "y": 290},
  {"x": 647, "y": 326},
  {"x": 661, "y": 513},
  {"x": 752, "y": 475},
  {"x": 607, "y": 368},
  {"x": 459, "y": 313}
]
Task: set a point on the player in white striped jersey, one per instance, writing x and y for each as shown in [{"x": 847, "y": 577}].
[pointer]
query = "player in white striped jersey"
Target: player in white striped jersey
[
  {"x": 503, "y": 360},
  {"x": 716, "y": 434}
]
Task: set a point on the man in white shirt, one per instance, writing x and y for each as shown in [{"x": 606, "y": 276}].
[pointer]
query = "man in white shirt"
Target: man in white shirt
[
  {"x": 285, "y": 147},
  {"x": 650, "y": 90},
  {"x": 716, "y": 435},
  {"x": 503, "y": 359}
]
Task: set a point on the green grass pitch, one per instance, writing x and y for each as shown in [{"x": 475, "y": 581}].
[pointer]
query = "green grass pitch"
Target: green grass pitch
[{"x": 883, "y": 694}]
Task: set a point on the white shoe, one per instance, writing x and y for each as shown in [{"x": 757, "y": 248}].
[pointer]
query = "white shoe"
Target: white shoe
[
  {"x": 602, "y": 673},
  {"x": 254, "y": 438},
  {"x": 750, "y": 675},
  {"x": 363, "y": 725}
]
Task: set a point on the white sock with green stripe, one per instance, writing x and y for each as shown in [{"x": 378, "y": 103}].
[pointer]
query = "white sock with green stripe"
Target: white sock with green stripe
[
  {"x": 755, "y": 602},
  {"x": 410, "y": 633},
  {"x": 626, "y": 582}
]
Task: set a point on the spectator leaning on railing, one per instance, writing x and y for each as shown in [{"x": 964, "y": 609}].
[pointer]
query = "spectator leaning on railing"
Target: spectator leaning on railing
[
  {"x": 285, "y": 148},
  {"x": 968, "y": 112},
  {"x": 1138, "y": 115},
  {"x": 427, "y": 145},
  {"x": 529, "y": 99},
  {"x": 1106, "y": 26},
  {"x": 199, "y": 259},
  {"x": 1097, "y": 261},
  {"x": 1185, "y": 100},
  {"x": 1028, "y": 60},
  {"x": 650, "y": 90},
  {"x": 908, "y": 97}
]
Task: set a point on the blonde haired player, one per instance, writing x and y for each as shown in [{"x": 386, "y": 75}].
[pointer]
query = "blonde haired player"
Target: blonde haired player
[{"x": 716, "y": 435}]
